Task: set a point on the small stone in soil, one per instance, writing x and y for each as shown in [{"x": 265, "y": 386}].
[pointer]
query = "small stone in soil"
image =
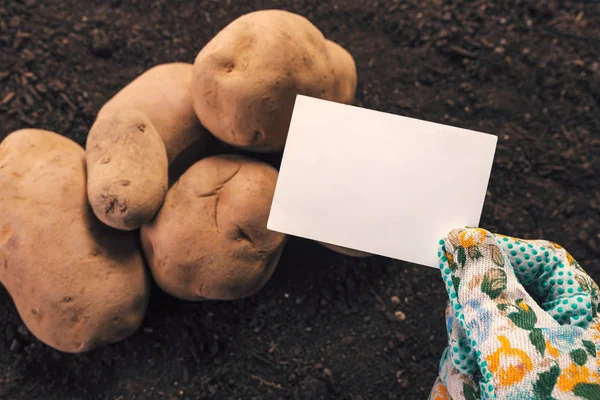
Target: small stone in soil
[
  {"x": 23, "y": 331},
  {"x": 395, "y": 316},
  {"x": 15, "y": 346}
]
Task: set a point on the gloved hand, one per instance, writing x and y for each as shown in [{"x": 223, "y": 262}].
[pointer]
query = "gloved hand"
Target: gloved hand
[{"x": 523, "y": 321}]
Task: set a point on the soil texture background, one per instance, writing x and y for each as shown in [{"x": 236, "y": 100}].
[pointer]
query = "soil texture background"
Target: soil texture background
[{"x": 326, "y": 326}]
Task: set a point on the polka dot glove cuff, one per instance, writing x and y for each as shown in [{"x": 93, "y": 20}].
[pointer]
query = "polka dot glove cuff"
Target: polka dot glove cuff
[{"x": 522, "y": 318}]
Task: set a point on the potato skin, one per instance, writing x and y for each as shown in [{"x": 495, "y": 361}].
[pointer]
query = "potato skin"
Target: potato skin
[
  {"x": 163, "y": 94},
  {"x": 210, "y": 239},
  {"x": 247, "y": 77},
  {"x": 76, "y": 283},
  {"x": 127, "y": 169},
  {"x": 345, "y": 82}
]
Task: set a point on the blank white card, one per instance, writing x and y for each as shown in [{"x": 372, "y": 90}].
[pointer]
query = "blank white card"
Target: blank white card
[{"x": 377, "y": 182}]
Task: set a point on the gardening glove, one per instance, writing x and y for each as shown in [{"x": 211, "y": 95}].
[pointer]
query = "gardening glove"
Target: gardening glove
[{"x": 522, "y": 318}]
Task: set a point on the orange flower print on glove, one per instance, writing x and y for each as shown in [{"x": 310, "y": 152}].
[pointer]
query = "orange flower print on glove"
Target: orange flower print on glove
[
  {"x": 541, "y": 313},
  {"x": 472, "y": 237},
  {"x": 575, "y": 375},
  {"x": 509, "y": 364},
  {"x": 439, "y": 392}
]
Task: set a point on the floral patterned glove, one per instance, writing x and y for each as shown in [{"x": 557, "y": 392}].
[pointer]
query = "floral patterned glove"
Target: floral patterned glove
[{"x": 523, "y": 321}]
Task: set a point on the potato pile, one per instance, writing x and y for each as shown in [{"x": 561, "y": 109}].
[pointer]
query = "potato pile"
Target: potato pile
[{"x": 78, "y": 224}]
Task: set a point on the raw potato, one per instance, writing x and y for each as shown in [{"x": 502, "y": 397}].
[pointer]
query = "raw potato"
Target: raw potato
[
  {"x": 210, "y": 238},
  {"x": 346, "y": 251},
  {"x": 163, "y": 94},
  {"x": 247, "y": 77},
  {"x": 127, "y": 169},
  {"x": 343, "y": 64},
  {"x": 76, "y": 283}
]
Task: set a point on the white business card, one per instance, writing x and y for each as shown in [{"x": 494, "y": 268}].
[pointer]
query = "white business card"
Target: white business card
[{"x": 378, "y": 182}]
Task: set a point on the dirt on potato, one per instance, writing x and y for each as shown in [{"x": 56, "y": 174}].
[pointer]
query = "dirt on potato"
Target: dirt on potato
[{"x": 326, "y": 326}]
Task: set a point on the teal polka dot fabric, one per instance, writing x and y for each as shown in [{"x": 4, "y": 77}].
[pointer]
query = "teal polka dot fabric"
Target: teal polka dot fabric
[
  {"x": 555, "y": 285},
  {"x": 522, "y": 320}
]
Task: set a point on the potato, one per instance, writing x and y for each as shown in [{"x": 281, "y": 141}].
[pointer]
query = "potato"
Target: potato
[
  {"x": 345, "y": 84},
  {"x": 76, "y": 283},
  {"x": 127, "y": 169},
  {"x": 210, "y": 238},
  {"x": 247, "y": 77},
  {"x": 346, "y": 251},
  {"x": 163, "y": 94}
]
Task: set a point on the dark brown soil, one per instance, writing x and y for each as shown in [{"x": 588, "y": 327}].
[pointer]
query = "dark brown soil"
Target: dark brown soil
[{"x": 325, "y": 326}]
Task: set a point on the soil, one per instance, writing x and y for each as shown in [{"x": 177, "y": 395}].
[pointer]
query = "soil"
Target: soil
[{"x": 326, "y": 326}]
